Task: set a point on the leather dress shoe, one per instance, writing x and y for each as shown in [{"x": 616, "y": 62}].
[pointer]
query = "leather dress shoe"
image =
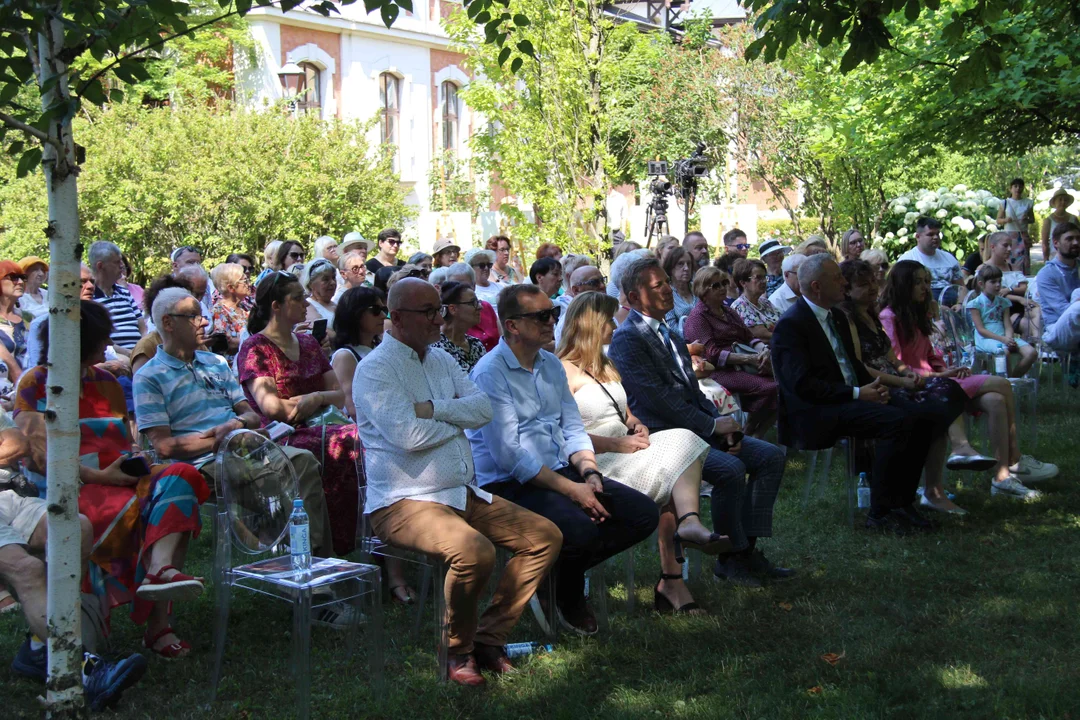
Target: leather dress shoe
[
  {"x": 887, "y": 522},
  {"x": 462, "y": 670},
  {"x": 492, "y": 658},
  {"x": 736, "y": 571},
  {"x": 578, "y": 618},
  {"x": 761, "y": 565},
  {"x": 909, "y": 515}
]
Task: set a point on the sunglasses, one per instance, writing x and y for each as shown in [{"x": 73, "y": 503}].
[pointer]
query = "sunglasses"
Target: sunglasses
[
  {"x": 248, "y": 269},
  {"x": 474, "y": 303},
  {"x": 15, "y": 277},
  {"x": 541, "y": 316},
  {"x": 595, "y": 282},
  {"x": 296, "y": 255},
  {"x": 393, "y": 241},
  {"x": 378, "y": 310},
  {"x": 482, "y": 266},
  {"x": 717, "y": 285},
  {"x": 741, "y": 246}
]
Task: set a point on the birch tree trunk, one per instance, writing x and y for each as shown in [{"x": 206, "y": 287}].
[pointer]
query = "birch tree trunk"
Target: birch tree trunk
[{"x": 65, "y": 690}]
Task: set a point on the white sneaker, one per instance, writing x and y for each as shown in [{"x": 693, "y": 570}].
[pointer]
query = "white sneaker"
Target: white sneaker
[
  {"x": 1031, "y": 470},
  {"x": 1011, "y": 487},
  {"x": 339, "y": 616}
]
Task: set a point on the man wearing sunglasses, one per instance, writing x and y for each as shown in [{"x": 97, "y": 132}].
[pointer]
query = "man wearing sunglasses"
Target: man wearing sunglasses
[
  {"x": 535, "y": 453},
  {"x": 735, "y": 242},
  {"x": 413, "y": 404}
]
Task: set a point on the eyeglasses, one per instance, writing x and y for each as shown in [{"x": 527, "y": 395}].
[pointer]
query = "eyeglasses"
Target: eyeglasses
[
  {"x": 482, "y": 266},
  {"x": 596, "y": 282},
  {"x": 541, "y": 316},
  {"x": 192, "y": 317},
  {"x": 357, "y": 270},
  {"x": 718, "y": 285},
  {"x": 248, "y": 269},
  {"x": 430, "y": 314},
  {"x": 742, "y": 246},
  {"x": 296, "y": 255},
  {"x": 474, "y": 303}
]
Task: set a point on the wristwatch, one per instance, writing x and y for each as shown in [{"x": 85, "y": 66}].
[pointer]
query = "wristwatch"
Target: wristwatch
[{"x": 585, "y": 475}]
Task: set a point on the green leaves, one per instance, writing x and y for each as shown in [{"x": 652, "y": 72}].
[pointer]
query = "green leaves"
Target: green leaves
[{"x": 28, "y": 162}]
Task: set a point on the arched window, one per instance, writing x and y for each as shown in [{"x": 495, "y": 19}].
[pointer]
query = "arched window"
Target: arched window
[
  {"x": 309, "y": 90},
  {"x": 450, "y": 114},
  {"x": 390, "y": 107}
]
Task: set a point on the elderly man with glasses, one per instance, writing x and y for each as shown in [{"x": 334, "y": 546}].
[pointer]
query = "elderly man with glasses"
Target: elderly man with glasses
[
  {"x": 413, "y": 404},
  {"x": 535, "y": 453}
]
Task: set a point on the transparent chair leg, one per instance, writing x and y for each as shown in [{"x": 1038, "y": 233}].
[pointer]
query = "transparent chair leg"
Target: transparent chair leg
[
  {"x": 811, "y": 467},
  {"x": 301, "y": 650},
  {"x": 631, "y": 581},
  {"x": 221, "y": 625},
  {"x": 376, "y": 639},
  {"x": 421, "y": 602},
  {"x": 442, "y": 623},
  {"x": 850, "y": 480},
  {"x": 693, "y": 563},
  {"x": 597, "y": 591}
]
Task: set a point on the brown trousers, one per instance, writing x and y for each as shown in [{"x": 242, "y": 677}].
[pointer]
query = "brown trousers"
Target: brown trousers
[{"x": 465, "y": 541}]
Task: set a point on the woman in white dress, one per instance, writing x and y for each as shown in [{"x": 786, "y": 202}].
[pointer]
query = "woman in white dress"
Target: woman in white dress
[
  {"x": 665, "y": 466},
  {"x": 320, "y": 281}
]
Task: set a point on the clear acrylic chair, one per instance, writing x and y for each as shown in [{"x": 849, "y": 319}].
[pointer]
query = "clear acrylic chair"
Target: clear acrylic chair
[
  {"x": 847, "y": 445},
  {"x": 258, "y": 485}
]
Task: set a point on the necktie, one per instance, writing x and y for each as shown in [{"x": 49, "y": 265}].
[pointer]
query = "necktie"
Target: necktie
[
  {"x": 841, "y": 354},
  {"x": 665, "y": 333}
]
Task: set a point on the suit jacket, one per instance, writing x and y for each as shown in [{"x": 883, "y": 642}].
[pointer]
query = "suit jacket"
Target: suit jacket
[
  {"x": 658, "y": 392},
  {"x": 811, "y": 383}
]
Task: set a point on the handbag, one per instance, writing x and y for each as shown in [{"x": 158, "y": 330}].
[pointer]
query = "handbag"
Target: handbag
[{"x": 744, "y": 349}]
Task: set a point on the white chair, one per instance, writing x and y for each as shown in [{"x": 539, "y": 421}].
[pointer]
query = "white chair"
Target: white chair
[{"x": 258, "y": 486}]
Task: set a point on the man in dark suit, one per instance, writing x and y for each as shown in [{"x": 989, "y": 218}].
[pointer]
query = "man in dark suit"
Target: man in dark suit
[
  {"x": 662, "y": 391},
  {"x": 826, "y": 393}
]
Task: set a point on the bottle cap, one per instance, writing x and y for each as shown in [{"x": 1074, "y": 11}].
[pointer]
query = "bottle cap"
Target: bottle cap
[{"x": 298, "y": 503}]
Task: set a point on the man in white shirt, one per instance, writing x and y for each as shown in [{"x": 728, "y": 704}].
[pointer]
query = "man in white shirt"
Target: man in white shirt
[
  {"x": 413, "y": 403},
  {"x": 788, "y": 292},
  {"x": 946, "y": 283}
]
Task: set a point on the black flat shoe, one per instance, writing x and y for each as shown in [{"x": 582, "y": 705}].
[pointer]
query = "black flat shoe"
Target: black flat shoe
[
  {"x": 887, "y": 523},
  {"x": 908, "y": 514},
  {"x": 736, "y": 571},
  {"x": 663, "y": 605}
]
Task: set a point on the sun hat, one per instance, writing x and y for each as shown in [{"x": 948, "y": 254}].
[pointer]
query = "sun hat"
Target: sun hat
[
  {"x": 353, "y": 239},
  {"x": 770, "y": 246},
  {"x": 444, "y": 244},
  {"x": 1062, "y": 192},
  {"x": 9, "y": 267},
  {"x": 30, "y": 261}
]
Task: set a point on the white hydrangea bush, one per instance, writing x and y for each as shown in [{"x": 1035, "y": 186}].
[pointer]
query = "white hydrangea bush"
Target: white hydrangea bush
[{"x": 965, "y": 215}]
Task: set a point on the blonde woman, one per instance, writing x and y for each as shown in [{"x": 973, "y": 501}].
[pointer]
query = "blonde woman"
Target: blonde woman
[
  {"x": 665, "y": 466},
  {"x": 269, "y": 259},
  {"x": 228, "y": 314}
]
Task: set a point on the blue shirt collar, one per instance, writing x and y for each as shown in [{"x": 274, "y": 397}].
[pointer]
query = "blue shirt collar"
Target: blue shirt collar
[
  {"x": 1062, "y": 266},
  {"x": 503, "y": 350},
  {"x": 201, "y": 358}
]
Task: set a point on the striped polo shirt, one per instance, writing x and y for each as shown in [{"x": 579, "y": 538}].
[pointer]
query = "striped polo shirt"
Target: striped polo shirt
[
  {"x": 187, "y": 398},
  {"x": 125, "y": 315}
]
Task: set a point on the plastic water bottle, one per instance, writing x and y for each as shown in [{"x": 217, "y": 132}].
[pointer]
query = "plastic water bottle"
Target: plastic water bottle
[
  {"x": 863, "y": 491},
  {"x": 299, "y": 538},
  {"x": 1001, "y": 365},
  {"x": 516, "y": 650}
]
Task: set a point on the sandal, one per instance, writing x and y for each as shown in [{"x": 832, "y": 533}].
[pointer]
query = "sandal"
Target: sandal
[
  {"x": 715, "y": 545},
  {"x": 154, "y": 588},
  {"x": 662, "y": 604},
  {"x": 171, "y": 651},
  {"x": 406, "y": 591},
  {"x": 8, "y": 603}
]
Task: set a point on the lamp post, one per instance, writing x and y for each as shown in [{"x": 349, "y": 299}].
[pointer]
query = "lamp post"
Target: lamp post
[{"x": 290, "y": 74}]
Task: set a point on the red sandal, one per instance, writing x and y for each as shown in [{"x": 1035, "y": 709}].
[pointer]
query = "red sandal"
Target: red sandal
[
  {"x": 180, "y": 587},
  {"x": 171, "y": 651}
]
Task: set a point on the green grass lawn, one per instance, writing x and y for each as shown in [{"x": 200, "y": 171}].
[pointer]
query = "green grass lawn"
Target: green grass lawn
[{"x": 977, "y": 620}]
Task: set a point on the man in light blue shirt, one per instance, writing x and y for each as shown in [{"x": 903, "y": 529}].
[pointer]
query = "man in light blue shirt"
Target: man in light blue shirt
[
  {"x": 1057, "y": 283},
  {"x": 535, "y": 452}
]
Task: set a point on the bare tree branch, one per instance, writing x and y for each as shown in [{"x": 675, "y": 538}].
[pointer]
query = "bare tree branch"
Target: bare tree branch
[{"x": 28, "y": 129}]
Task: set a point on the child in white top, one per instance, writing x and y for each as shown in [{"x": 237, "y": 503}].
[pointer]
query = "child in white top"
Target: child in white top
[{"x": 990, "y": 314}]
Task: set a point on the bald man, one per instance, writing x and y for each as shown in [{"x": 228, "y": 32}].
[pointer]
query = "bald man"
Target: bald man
[
  {"x": 413, "y": 404},
  {"x": 698, "y": 247},
  {"x": 585, "y": 279}
]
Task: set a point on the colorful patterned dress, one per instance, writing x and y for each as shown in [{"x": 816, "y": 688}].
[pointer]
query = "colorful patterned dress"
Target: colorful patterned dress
[
  {"x": 127, "y": 520},
  {"x": 260, "y": 357}
]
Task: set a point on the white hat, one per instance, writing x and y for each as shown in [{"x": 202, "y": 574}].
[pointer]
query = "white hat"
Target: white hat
[
  {"x": 355, "y": 238},
  {"x": 792, "y": 262},
  {"x": 444, "y": 243},
  {"x": 771, "y": 246}
]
